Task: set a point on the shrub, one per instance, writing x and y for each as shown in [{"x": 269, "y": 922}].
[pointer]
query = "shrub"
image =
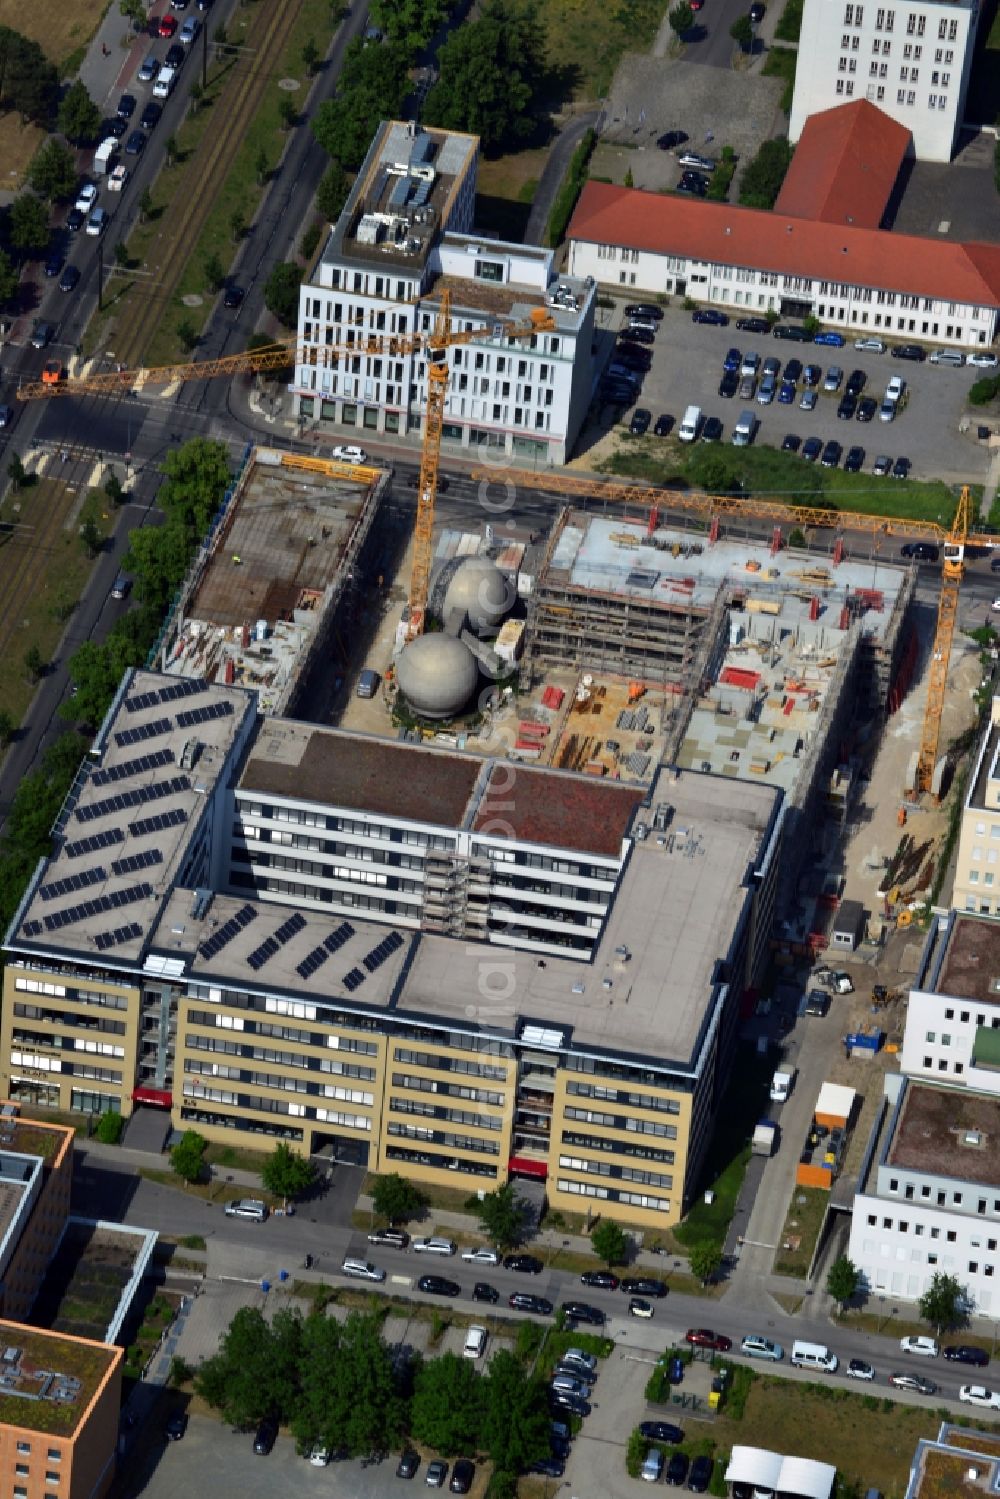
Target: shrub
[
  {"x": 984, "y": 390},
  {"x": 309, "y": 240},
  {"x": 635, "y": 1453},
  {"x": 562, "y": 209},
  {"x": 790, "y": 24},
  {"x": 110, "y": 1127}
]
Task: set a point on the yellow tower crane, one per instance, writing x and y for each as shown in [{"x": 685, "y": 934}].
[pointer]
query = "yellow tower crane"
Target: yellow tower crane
[
  {"x": 953, "y": 542},
  {"x": 433, "y": 344}
]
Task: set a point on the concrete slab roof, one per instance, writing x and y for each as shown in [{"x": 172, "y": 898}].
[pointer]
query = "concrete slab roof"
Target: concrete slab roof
[
  {"x": 971, "y": 965},
  {"x": 944, "y": 1132}
]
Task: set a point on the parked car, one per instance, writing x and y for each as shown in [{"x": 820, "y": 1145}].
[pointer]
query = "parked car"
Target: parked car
[
  {"x": 149, "y": 69},
  {"x": 549, "y": 1467},
  {"x": 175, "y": 56},
  {"x": 867, "y": 408},
  {"x": 150, "y": 116},
  {"x": 397, "y": 1238},
  {"x": 175, "y": 1426},
  {"x": 677, "y": 1468},
  {"x": 901, "y": 468},
  {"x": 126, "y": 106},
  {"x": 660, "y": 1431},
  {"x": 856, "y": 382},
  {"x": 729, "y": 385},
  {"x": 855, "y": 460},
  {"x": 920, "y": 1343},
  {"x": 641, "y": 419},
  {"x": 74, "y": 220},
  {"x": 963, "y": 1353},
  {"x": 832, "y": 454},
  {"x": 787, "y": 392},
  {"x": 604, "y": 1280},
  {"x": 753, "y": 325},
  {"x": 136, "y": 143},
  {"x": 527, "y": 1264},
  {"x": 54, "y": 264},
  {"x": 709, "y": 315},
  {"x": 319, "y": 1456},
  {"x": 437, "y": 1472},
  {"x": 462, "y": 1474},
  {"x": 791, "y": 443},
  {"x": 86, "y": 196},
  {"x": 925, "y": 551},
  {"x": 846, "y": 409},
  {"x": 438, "y": 1285},
  {"x": 97, "y": 221},
  {"x": 811, "y": 448},
  {"x": 523, "y": 1301},
  {"x": 663, "y": 425},
  {"x": 983, "y": 361},
  {"x": 69, "y": 278},
  {"x": 265, "y": 1436},
  {"x": 859, "y": 1368},
  {"x": 408, "y": 1464},
  {"x": 882, "y": 465},
  {"x": 639, "y": 1307},
  {"x": 704, "y": 1337},
  {"x": 869, "y": 345},
  {"x": 977, "y": 1394},
  {"x": 481, "y": 1256},
  {"x": 834, "y": 376},
  {"x": 645, "y": 309},
  {"x": 700, "y": 1475},
  {"x": 817, "y": 1003},
  {"x": 830, "y": 339},
  {"x": 586, "y": 1361},
  {"x": 908, "y": 351},
  {"x": 754, "y": 1346},
  {"x": 167, "y": 25},
  {"x": 807, "y": 400},
  {"x": 349, "y": 452},
  {"x": 483, "y": 1291},
  {"x": 643, "y": 1285},
  {"x": 189, "y": 31},
  {"x": 652, "y": 1465},
  {"x": 582, "y": 1311},
  {"x": 915, "y": 1382},
  {"x": 698, "y": 163}
]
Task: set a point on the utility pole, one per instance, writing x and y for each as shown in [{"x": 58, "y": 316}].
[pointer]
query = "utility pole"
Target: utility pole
[
  {"x": 204, "y": 54},
  {"x": 100, "y": 274}
]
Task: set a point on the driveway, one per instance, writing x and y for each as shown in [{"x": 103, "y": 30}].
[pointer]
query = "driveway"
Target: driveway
[{"x": 552, "y": 176}]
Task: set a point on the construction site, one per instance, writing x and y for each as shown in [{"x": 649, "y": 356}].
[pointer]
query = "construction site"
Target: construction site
[{"x": 261, "y": 598}]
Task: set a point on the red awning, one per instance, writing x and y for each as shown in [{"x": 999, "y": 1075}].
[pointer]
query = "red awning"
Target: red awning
[
  {"x": 155, "y": 1096},
  {"x": 528, "y": 1166}
]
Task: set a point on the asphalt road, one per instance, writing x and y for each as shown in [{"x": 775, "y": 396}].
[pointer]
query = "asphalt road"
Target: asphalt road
[{"x": 552, "y": 176}]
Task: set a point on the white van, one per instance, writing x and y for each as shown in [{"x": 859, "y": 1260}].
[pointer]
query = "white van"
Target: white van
[
  {"x": 743, "y": 432},
  {"x": 475, "y": 1342},
  {"x": 165, "y": 80},
  {"x": 691, "y": 424},
  {"x": 814, "y": 1356},
  {"x": 247, "y": 1207}
]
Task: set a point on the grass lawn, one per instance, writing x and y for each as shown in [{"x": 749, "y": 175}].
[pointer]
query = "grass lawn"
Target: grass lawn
[
  {"x": 780, "y": 63},
  {"x": 213, "y": 1191},
  {"x": 805, "y": 1218},
  {"x": 790, "y": 24},
  {"x": 505, "y": 188},
  {"x": 62, "y": 28},
  {"x": 235, "y": 1158},
  {"x": 728, "y": 1154},
  {"x": 589, "y": 38},
  {"x": 771, "y": 474}
]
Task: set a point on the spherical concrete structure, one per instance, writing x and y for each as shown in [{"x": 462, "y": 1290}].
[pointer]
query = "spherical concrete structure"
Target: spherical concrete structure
[
  {"x": 437, "y": 675},
  {"x": 479, "y": 590}
]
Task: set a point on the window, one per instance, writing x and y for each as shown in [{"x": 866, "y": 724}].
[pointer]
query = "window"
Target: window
[
  {"x": 931, "y": 1037},
  {"x": 894, "y": 1184}
]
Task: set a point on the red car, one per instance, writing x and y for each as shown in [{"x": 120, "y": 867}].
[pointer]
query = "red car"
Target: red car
[
  {"x": 704, "y": 1337},
  {"x": 168, "y": 25}
]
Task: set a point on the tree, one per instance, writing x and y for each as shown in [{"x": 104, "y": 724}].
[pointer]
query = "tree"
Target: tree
[
  {"x": 121, "y": 254},
  {"x": 681, "y": 18},
  {"x": 239, "y": 1380},
  {"x": 28, "y": 81},
  {"x": 196, "y": 96},
  {"x": 943, "y": 1303},
  {"x": 411, "y": 22},
  {"x": 238, "y": 224},
  {"x": 134, "y": 11},
  {"x": 287, "y": 1174},
  {"x": 842, "y": 1281},
  {"x": 763, "y": 176},
  {"x": 171, "y": 149},
  {"x": 91, "y": 537},
  {"x": 492, "y": 77},
  {"x": 310, "y": 55},
  {"x": 331, "y": 195},
  {"x": 79, "y": 116},
  {"x": 262, "y": 166},
  {"x": 349, "y": 1396},
  {"x": 281, "y": 292},
  {"x": 145, "y": 204},
  {"x": 187, "y": 335},
  {"x": 34, "y": 664},
  {"x": 629, "y": 179},
  {"x": 113, "y": 489},
  {"x": 706, "y": 1259},
  {"x": 287, "y": 113},
  {"x": 448, "y": 1405},
  {"x": 28, "y": 223},
  {"x": 609, "y": 1242},
  {"x": 373, "y": 83},
  {"x": 53, "y": 171},
  {"x": 109, "y": 1127},
  {"x": 515, "y": 1428},
  {"x": 741, "y": 31},
  {"x": 8, "y": 728},
  {"x": 215, "y": 272},
  {"x": 8, "y": 277},
  {"x": 16, "y": 472},
  {"x": 500, "y": 1214},
  {"x": 396, "y": 1198},
  {"x": 188, "y": 1156}
]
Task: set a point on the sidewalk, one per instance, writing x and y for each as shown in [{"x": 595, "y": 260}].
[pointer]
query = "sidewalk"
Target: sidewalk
[{"x": 111, "y": 56}]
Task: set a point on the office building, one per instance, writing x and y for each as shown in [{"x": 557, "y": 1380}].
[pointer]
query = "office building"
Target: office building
[
  {"x": 976, "y": 886},
  {"x": 912, "y": 61},
  {"x": 406, "y": 234}
]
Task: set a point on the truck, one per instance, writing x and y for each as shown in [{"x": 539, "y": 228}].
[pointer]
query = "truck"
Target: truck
[
  {"x": 104, "y": 156},
  {"x": 765, "y": 1138},
  {"x": 118, "y": 179},
  {"x": 781, "y": 1084}
]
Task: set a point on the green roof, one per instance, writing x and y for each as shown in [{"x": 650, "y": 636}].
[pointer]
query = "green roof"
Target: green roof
[{"x": 986, "y": 1048}]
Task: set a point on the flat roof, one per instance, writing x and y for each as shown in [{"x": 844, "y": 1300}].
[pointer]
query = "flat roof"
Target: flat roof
[
  {"x": 971, "y": 965},
  {"x": 674, "y": 913},
  {"x": 987, "y": 768},
  {"x": 124, "y": 834},
  {"x": 588, "y": 814},
  {"x": 941, "y": 1471},
  {"x": 945, "y": 1132},
  {"x": 360, "y": 771},
  {"x": 48, "y": 1380}
]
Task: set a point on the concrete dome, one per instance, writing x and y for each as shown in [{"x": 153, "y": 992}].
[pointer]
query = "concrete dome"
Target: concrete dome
[
  {"x": 479, "y": 590},
  {"x": 437, "y": 675}
]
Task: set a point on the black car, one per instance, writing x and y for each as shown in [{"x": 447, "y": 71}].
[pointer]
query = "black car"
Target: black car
[
  {"x": 701, "y": 1469},
  {"x": 117, "y": 128},
  {"x": 672, "y": 139},
  {"x": 126, "y": 106},
  {"x": 663, "y": 425},
  {"x": 697, "y": 188},
  {"x": 604, "y": 1280},
  {"x": 408, "y": 1464},
  {"x": 854, "y": 462},
  {"x": 791, "y": 443},
  {"x": 526, "y": 1263},
  {"x": 265, "y": 1437},
  {"x": 645, "y": 309},
  {"x": 753, "y": 325},
  {"x": 69, "y": 278},
  {"x": 438, "y": 1285},
  {"x": 729, "y": 385},
  {"x": 482, "y": 1291},
  {"x": 908, "y": 351},
  {"x": 847, "y": 408},
  {"x": 811, "y": 448},
  {"x": 575, "y": 1404},
  {"x": 636, "y": 355},
  {"x": 712, "y": 430},
  {"x": 867, "y": 408},
  {"x": 694, "y": 179},
  {"x": 962, "y": 1353},
  {"x": 817, "y": 1003},
  {"x": 661, "y": 1431},
  {"x": 638, "y": 335},
  {"x": 175, "y": 1426},
  {"x": 812, "y": 375},
  {"x": 582, "y": 1311},
  {"x": 136, "y": 143},
  {"x": 54, "y": 264},
  {"x": 462, "y": 1474},
  {"x": 677, "y": 1468},
  {"x": 856, "y": 382},
  {"x": 523, "y": 1301},
  {"x": 901, "y": 468},
  {"x": 75, "y": 219},
  {"x": 792, "y": 332},
  {"x": 922, "y": 551},
  {"x": 550, "y": 1467},
  {"x": 757, "y": 11},
  {"x": 793, "y": 369},
  {"x": 709, "y": 315},
  {"x": 618, "y": 395},
  {"x": 641, "y": 1285},
  {"x": 150, "y": 116},
  {"x": 641, "y": 419},
  {"x": 832, "y": 454},
  {"x": 175, "y": 56}
]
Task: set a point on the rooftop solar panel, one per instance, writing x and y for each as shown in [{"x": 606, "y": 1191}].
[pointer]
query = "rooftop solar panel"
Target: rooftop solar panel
[
  {"x": 145, "y": 731},
  {"x": 158, "y": 822}
]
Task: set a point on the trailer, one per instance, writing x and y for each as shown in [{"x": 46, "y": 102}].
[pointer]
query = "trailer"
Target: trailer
[
  {"x": 765, "y": 1138},
  {"x": 104, "y": 155}
]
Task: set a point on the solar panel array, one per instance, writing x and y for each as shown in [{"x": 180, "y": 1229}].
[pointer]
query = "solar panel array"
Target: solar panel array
[
  {"x": 31, "y": 928},
  {"x": 95, "y": 876},
  {"x": 133, "y": 798},
  {"x": 319, "y": 955},
  {"x": 380, "y": 954},
  {"x": 183, "y": 687},
  {"x": 171, "y": 819},
  {"x": 145, "y": 731},
  {"x": 73, "y": 914},
  {"x": 191, "y": 716},
  {"x": 133, "y": 767},
  {"x": 104, "y": 940},
  {"x": 271, "y": 945},
  {"x": 94, "y": 842},
  {"x": 353, "y": 980},
  {"x": 134, "y": 862},
  {"x": 227, "y": 932}
]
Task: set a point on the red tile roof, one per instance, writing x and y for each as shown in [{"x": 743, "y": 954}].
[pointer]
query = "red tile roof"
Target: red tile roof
[
  {"x": 728, "y": 235},
  {"x": 845, "y": 166},
  {"x": 556, "y": 808}
]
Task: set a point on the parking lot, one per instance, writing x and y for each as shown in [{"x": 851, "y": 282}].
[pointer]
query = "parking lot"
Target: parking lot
[{"x": 688, "y": 365}]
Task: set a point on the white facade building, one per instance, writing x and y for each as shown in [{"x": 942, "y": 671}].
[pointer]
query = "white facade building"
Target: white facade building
[
  {"x": 977, "y": 865},
  {"x": 913, "y": 60},
  {"x": 405, "y": 234}
]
